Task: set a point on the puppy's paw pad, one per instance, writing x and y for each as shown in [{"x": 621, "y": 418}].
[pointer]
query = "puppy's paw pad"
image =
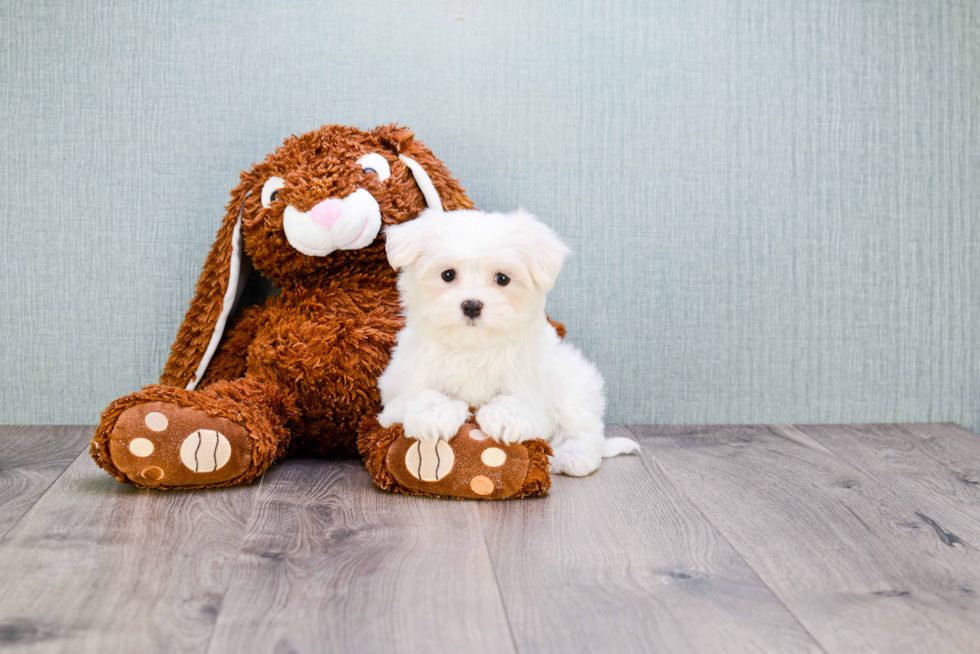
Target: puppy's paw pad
[
  {"x": 504, "y": 425},
  {"x": 575, "y": 461}
]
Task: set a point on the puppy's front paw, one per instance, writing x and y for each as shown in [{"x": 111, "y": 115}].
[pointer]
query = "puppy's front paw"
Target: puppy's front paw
[
  {"x": 505, "y": 420},
  {"x": 434, "y": 416},
  {"x": 575, "y": 459}
]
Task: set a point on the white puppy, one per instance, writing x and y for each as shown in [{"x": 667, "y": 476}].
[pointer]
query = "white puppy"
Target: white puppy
[{"x": 473, "y": 286}]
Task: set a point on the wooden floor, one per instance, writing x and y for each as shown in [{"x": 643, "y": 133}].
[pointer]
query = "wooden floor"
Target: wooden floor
[{"x": 715, "y": 539}]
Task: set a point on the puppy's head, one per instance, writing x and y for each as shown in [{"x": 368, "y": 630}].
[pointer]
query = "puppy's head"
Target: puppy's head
[{"x": 473, "y": 277}]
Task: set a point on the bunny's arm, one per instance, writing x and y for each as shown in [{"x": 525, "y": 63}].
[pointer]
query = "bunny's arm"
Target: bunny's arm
[{"x": 230, "y": 358}]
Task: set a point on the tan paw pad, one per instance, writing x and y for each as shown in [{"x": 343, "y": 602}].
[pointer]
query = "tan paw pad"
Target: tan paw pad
[
  {"x": 205, "y": 450},
  {"x": 152, "y": 473},
  {"x": 141, "y": 447},
  {"x": 429, "y": 460},
  {"x": 493, "y": 457},
  {"x": 482, "y": 485},
  {"x": 156, "y": 421}
]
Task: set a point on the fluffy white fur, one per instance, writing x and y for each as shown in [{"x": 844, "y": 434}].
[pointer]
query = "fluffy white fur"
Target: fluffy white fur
[{"x": 508, "y": 362}]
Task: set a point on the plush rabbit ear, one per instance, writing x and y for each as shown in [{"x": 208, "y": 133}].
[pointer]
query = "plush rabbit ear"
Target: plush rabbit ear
[
  {"x": 218, "y": 291},
  {"x": 429, "y": 192},
  {"x": 439, "y": 188}
]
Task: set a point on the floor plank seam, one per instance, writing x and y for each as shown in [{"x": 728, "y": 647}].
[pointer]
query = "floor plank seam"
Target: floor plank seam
[
  {"x": 241, "y": 544},
  {"x": 947, "y": 538},
  {"x": 16, "y": 522},
  {"x": 496, "y": 582},
  {"x": 741, "y": 556},
  {"x": 774, "y": 430}
]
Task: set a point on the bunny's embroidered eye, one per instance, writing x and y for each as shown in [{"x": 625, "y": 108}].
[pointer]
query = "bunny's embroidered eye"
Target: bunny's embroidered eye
[
  {"x": 502, "y": 279},
  {"x": 270, "y": 190},
  {"x": 448, "y": 275},
  {"x": 374, "y": 163}
]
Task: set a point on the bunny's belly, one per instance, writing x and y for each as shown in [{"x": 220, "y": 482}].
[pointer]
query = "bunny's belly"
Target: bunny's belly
[{"x": 327, "y": 348}]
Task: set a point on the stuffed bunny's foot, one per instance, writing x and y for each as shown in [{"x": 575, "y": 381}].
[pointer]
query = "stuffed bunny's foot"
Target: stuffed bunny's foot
[
  {"x": 170, "y": 438},
  {"x": 160, "y": 444}
]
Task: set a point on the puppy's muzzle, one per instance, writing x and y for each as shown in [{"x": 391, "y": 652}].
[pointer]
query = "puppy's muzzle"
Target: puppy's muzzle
[{"x": 472, "y": 308}]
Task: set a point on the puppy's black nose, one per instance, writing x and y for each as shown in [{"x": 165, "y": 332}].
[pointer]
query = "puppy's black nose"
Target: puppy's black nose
[{"x": 472, "y": 308}]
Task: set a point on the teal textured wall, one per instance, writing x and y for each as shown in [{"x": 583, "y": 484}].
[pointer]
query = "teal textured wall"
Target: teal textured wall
[{"x": 775, "y": 206}]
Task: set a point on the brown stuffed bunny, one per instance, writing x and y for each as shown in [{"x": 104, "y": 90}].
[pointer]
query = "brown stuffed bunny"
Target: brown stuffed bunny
[{"x": 297, "y": 373}]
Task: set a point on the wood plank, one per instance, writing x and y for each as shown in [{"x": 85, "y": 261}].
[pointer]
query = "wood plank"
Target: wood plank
[
  {"x": 333, "y": 564},
  {"x": 845, "y": 553},
  {"x": 622, "y": 561},
  {"x": 905, "y": 464},
  {"x": 96, "y": 566},
  {"x": 31, "y": 458},
  {"x": 957, "y": 448}
]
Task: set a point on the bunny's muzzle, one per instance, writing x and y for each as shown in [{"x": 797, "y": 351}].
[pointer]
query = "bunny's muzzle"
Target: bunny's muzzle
[{"x": 350, "y": 223}]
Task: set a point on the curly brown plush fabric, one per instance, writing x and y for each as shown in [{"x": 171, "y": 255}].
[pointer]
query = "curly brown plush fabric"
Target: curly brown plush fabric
[
  {"x": 296, "y": 374},
  {"x": 559, "y": 327}
]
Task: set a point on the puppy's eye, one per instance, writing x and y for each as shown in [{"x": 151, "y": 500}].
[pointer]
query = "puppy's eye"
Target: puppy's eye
[
  {"x": 270, "y": 190},
  {"x": 502, "y": 279},
  {"x": 448, "y": 275},
  {"x": 376, "y": 164}
]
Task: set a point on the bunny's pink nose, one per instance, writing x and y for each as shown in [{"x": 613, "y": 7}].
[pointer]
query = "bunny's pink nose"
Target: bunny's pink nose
[{"x": 327, "y": 212}]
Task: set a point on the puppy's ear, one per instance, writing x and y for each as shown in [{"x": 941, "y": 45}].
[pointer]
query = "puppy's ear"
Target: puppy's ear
[
  {"x": 405, "y": 243},
  {"x": 545, "y": 252}
]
